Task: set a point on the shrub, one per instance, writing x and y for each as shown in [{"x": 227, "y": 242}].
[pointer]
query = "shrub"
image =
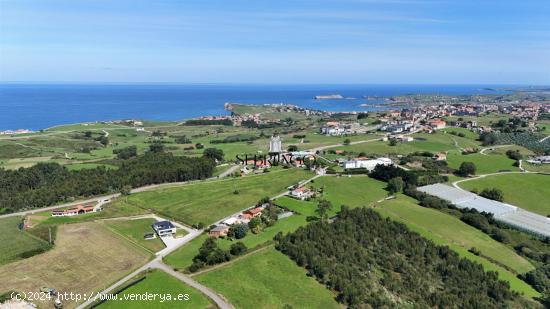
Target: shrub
[{"x": 238, "y": 248}]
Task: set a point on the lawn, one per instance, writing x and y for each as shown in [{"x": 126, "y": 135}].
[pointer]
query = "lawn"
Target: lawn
[
  {"x": 87, "y": 257},
  {"x": 306, "y": 208},
  {"x": 268, "y": 279},
  {"x": 210, "y": 201},
  {"x": 14, "y": 242},
  {"x": 444, "y": 229},
  {"x": 183, "y": 256},
  {"x": 355, "y": 191},
  {"x": 159, "y": 282},
  {"x": 485, "y": 164},
  {"x": 528, "y": 191},
  {"x": 134, "y": 230}
]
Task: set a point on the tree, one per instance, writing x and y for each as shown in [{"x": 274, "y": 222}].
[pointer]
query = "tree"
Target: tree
[
  {"x": 466, "y": 169},
  {"x": 238, "y": 248},
  {"x": 238, "y": 230},
  {"x": 182, "y": 139},
  {"x": 393, "y": 142},
  {"x": 323, "y": 208},
  {"x": 126, "y": 190},
  {"x": 395, "y": 185},
  {"x": 493, "y": 194},
  {"x": 104, "y": 140},
  {"x": 255, "y": 225},
  {"x": 126, "y": 153},
  {"x": 213, "y": 153},
  {"x": 347, "y": 141},
  {"x": 88, "y": 134},
  {"x": 199, "y": 146},
  {"x": 514, "y": 155},
  {"x": 156, "y": 147},
  {"x": 292, "y": 148}
]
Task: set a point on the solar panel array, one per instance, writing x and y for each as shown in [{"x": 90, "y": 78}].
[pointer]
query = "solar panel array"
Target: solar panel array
[{"x": 512, "y": 215}]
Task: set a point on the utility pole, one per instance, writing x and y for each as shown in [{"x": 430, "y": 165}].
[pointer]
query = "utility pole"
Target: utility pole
[{"x": 50, "y": 235}]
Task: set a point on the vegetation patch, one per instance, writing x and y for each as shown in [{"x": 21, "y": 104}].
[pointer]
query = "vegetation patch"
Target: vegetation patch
[
  {"x": 528, "y": 191},
  {"x": 267, "y": 279},
  {"x": 374, "y": 261},
  {"x": 207, "y": 202},
  {"x": 159, "y": 282},
  {"x": 134, "y": 230},
  {"x": 17, "y": 244},
  {"x": 87, "y": 257}
]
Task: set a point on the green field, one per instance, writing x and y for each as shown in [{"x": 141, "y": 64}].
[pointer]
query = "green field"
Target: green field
[
  {"x": 444, "y": 229},
  {"x": 159, "y": 282},
  {"x": 14, "y": 242},
  {"x": 528, "y": 191},
  {"x": 436, "y": 142},
  {"x": 183, "y": 256},
  {"x": 268, "y": 279},
  {"x": 485, "y": 164},
  {"x": 134, "y": 230},
  {"x": 306, "y": 208},
  {"x": 210, "y": 201},
  {"x": 355, "y": 191}
]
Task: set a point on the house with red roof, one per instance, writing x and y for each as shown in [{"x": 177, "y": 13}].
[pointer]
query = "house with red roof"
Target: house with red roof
[{"x": 77, "y": 210}]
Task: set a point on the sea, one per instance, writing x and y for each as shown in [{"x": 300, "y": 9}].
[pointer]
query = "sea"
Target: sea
[{"x": 40, "y": 106}]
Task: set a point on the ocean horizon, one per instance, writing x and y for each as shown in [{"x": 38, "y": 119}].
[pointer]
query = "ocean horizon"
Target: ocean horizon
[{"x": 37, "y": 106}]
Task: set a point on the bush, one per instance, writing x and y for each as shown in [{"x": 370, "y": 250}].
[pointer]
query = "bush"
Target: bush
[
  {"x": 238, "y": 248},
  {"x": 514, "y": 155},
  {"x": 466, "y": 169},
  {"x": 238, "y": 231},
  {"x": 492, "y": 194}
]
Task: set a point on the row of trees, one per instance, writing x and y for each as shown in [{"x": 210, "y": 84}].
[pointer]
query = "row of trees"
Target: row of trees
[
  {"x": 375, "y": 262},
  {"x": 49, "y": 183}
]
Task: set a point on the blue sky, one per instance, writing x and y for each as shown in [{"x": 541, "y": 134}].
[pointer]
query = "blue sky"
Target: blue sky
[{"x": 282, "y": 41}]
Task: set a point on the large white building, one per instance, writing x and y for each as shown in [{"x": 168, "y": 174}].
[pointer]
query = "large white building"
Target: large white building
[
  {"x": 368, "y": 164},
  {"x": 275, "y": 144}
]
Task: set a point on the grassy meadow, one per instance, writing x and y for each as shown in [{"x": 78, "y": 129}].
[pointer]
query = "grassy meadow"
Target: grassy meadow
[
  {"x": 210, "y": 201},
  {"x": 14, "y": 243},
  {"x": 528, "y": 191},
  {"x": 134, "y": 229},
  {"x": 268, "y": 279},
  {"x": 159, "y": 282}
]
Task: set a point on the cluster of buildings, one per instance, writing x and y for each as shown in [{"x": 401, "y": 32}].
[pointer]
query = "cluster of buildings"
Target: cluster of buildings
[
  {"x": 366, "y": 163},
  {"x": 15, "y": 132},
  {"x": 336, "y": 128},
  {"x": 539, "y": 160},
  {"x": 222, "y": 229}
]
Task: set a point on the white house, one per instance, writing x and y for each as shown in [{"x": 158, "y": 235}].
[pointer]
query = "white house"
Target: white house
[
  {"x": 301, "y": 193},
  {"x": 231, "y": 221},
  {"x": 164, "y": 228},
  {"x": 367, "y": 164}
]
